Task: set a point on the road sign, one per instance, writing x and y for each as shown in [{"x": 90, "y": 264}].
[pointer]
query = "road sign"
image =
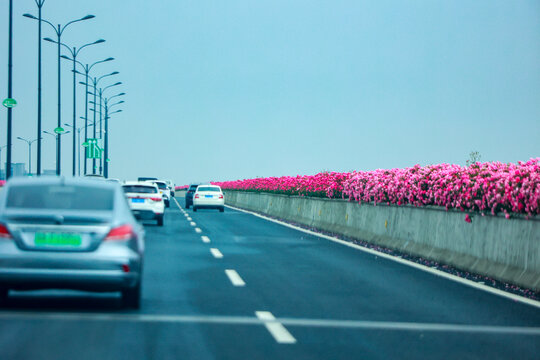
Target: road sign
[
  {"x": 59, "y": 130},
  {"x": 94, "y": 151},
  {"x": 9, "y": 103}
]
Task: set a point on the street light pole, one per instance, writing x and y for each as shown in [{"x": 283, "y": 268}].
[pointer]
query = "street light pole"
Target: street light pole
[
  {"x": 106, "y": 145},
  {"x": 10, "y": 79},
  {"x": 29, "y": 142}
]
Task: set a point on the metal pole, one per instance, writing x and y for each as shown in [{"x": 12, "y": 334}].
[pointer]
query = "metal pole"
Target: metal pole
[
  {"x": 87, "y": 70},
  {"x": 106, "y": 157},
  {"x": 100, "y": 130},
  {"x": 74, "y": 109},
  {"x": 38, "y": 170},
  {"x": 79, "y": 150},
  {"x": 29, "y": 158},
  {"x": 94, "y": 159},
  {"x": 10, "y": 79},
  {"x": 58, "y": 143}
]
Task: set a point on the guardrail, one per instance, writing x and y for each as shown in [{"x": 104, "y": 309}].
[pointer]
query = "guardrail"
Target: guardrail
[{"x": 504, "y": 249}]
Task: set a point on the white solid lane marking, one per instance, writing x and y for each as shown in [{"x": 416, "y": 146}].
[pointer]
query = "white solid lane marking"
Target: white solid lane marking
[
  {"x": 236, "y": 280},
  {"x": 192, "y": 224},
  {"x": 217, "y": 254},
  {"x": 428, "y": 269},
  {"x": 245, "y": 320},
  {"x": 205, "y": 239},
  {"x": 276, "y": 329},
  {"x": 197, "y": 230}
]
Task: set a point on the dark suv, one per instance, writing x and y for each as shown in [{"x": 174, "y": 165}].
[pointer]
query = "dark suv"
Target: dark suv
[{"x": 189, "y": 195}]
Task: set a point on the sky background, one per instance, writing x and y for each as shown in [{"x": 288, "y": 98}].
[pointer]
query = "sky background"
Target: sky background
[{"x": 225, "y": 90}]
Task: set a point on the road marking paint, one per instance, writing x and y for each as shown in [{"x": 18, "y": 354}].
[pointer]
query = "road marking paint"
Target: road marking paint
[
  {"x": 192, "y": 224},
  {"x": 189, "y": 218},
  {"x": 205, "y": 239},
  {"x": 245, "y": 320},
  {"x": 217, "y": 254},
  {"x": 197, "y": 230},
  {"x": 236, "y": 280},
  {"x": 276, "y": 329},
  {"x": 425, "y": 268}
]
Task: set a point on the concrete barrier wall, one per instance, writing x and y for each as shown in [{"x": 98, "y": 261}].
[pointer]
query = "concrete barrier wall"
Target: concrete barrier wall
[{"x": 507, "y": 250}]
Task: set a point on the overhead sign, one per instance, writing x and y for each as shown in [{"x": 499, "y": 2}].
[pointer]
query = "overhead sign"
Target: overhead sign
[
  {"x": 9, "y": 103},
  {"x": 94, "y": 151}
]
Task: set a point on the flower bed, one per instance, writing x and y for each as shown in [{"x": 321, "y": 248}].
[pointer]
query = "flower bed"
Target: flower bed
[{"x": 484, "y": 187}]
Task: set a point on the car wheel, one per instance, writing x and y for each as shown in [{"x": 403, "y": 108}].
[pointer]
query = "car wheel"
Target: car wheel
[
  {"x": 3, "y": 295},
  {"x": 221, "y": 209},
  {"x": 160, "y": 220},
  {"x": 132, "y": 297},
  {"x": 187, "y": 206},
  {"x": 194, "y": 209},
  {"x": 167, "y": 203}
]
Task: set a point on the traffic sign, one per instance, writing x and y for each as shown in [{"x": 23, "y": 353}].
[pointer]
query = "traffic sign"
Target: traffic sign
[
  {"x": 59, "y": 130},
  {"x": 94, "y": 151},
  {"x": 9, "y": 102}
]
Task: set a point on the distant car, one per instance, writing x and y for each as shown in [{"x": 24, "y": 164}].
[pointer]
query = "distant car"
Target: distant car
[
  {"x": 114, "y": 180},
  {"x": 209, "y": 197},
  {"x": 171, "y": 186},
  {"x": 94, "y": 176},
  {"x": 146, "y": 178},
  {"x": 69, "y": 233},
  {"x": 145, "y": 201},
  {"x": 163, "y": 190},
  {"x": 189, "y": 194}
]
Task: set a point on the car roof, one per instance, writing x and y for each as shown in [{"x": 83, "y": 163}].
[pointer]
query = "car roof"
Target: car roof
[
  {"x": 139, "y": 183},
  {"x": 57, "y": 180}
]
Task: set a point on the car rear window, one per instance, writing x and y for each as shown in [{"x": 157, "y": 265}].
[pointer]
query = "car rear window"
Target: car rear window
[
  {"x": 141, "y": 189},
  {"x": 61, "y": 197},
  {"x": 208, "y": 188},
  {"x": 162, "y": 186}
]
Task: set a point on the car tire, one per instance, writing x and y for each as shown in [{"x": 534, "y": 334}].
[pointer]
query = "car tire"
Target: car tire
[
  {"x": 3, "y": 295},
  {"x": 160, "y": 220},
  {"x": 221, "y": 209},
  {"x": 167, "y": 204},
  {"x": 187, "y": 206},
  {"x": 131, "y": 297},
  {"x": 194, "y": 209}
]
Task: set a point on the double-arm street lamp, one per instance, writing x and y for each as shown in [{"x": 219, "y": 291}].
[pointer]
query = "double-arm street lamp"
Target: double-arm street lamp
[
  {"x": 95, "y": 82},
  {"x": 59, "y": 30},
  {"x": 78, "y": 131},
  {"x": 74, "y": 52},
  {"x": 29, "y": 142},
  {"x": 87, "y": 68},
  {"x": 107, "y": 115}
]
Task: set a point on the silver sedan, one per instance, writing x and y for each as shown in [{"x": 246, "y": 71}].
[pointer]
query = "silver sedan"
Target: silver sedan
[{"x": 69, "y": 233}]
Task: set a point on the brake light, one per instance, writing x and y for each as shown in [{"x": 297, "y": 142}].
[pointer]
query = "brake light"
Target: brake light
[
  {"x": 196, "y": 196},
  {"x": 221, "y": 196},
  {"x": 4, "y": 232},
  {"x": 123, "y": 232},
  {"x": 156, "y": 199}
]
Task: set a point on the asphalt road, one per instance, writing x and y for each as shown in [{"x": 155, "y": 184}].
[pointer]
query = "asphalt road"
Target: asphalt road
[{"x": 234, "y": 286}]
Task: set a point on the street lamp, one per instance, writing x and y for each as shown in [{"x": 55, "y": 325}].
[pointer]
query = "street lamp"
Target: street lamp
[
  {"x": 95, "y": 81},
  {"x": 78, "y": 131},
  {"x": 39, "y": 4},
  {"x": 74, "y": 52},
  {"x": 29, "y": 142},
  {"x": 10, "y": 86},
  {"x": 59, "y": 30},
  {"x": 87, "y": 69},
  {"x": 107, "y": 115}
]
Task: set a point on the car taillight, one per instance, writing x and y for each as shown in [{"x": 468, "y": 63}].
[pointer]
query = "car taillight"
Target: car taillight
[
  {"x": 123, "y": 232},
  {"x": 196, "y": 196},
  {"x": 4, "y": 232},
  {"x": 221, "y": 196},
  {"x": 156, "y": 199}
]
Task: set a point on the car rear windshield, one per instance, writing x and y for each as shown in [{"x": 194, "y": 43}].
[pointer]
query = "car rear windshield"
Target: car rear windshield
[
  {"x": 141, "y": 189},
  {"x": 61, "y": 197},
  {"x": 162, "y": 186},
  {"x": 208, "y": 188}
]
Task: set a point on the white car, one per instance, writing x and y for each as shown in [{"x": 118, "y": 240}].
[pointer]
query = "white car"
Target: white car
[
  {"x": 163, "y": 190},
  {"x": 145, "y": 200},
  {"x": 171, "y": 186},
  {"x": 209, "y": 197}
]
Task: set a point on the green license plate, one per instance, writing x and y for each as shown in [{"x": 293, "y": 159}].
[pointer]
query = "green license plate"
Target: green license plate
[{"x": 57, "y": 239}]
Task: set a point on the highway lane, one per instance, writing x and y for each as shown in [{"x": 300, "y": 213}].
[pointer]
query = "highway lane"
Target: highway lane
[{"x": 329, "y": 301}]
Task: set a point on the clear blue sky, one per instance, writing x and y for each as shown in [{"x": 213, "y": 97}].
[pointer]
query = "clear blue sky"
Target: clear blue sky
[{"x": 222, "y": 90}]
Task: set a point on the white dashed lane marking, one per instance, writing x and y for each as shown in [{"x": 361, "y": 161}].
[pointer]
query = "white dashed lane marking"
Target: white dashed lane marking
[
  {"x": 216, "y": 253},
  {"x": 205, "y": 239},
  {"x": 192, "y": 224},
  {"x": 235, "y": 279},
  {"x": 278, "y": 331},
  {"x": 197, "y": 230}
]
